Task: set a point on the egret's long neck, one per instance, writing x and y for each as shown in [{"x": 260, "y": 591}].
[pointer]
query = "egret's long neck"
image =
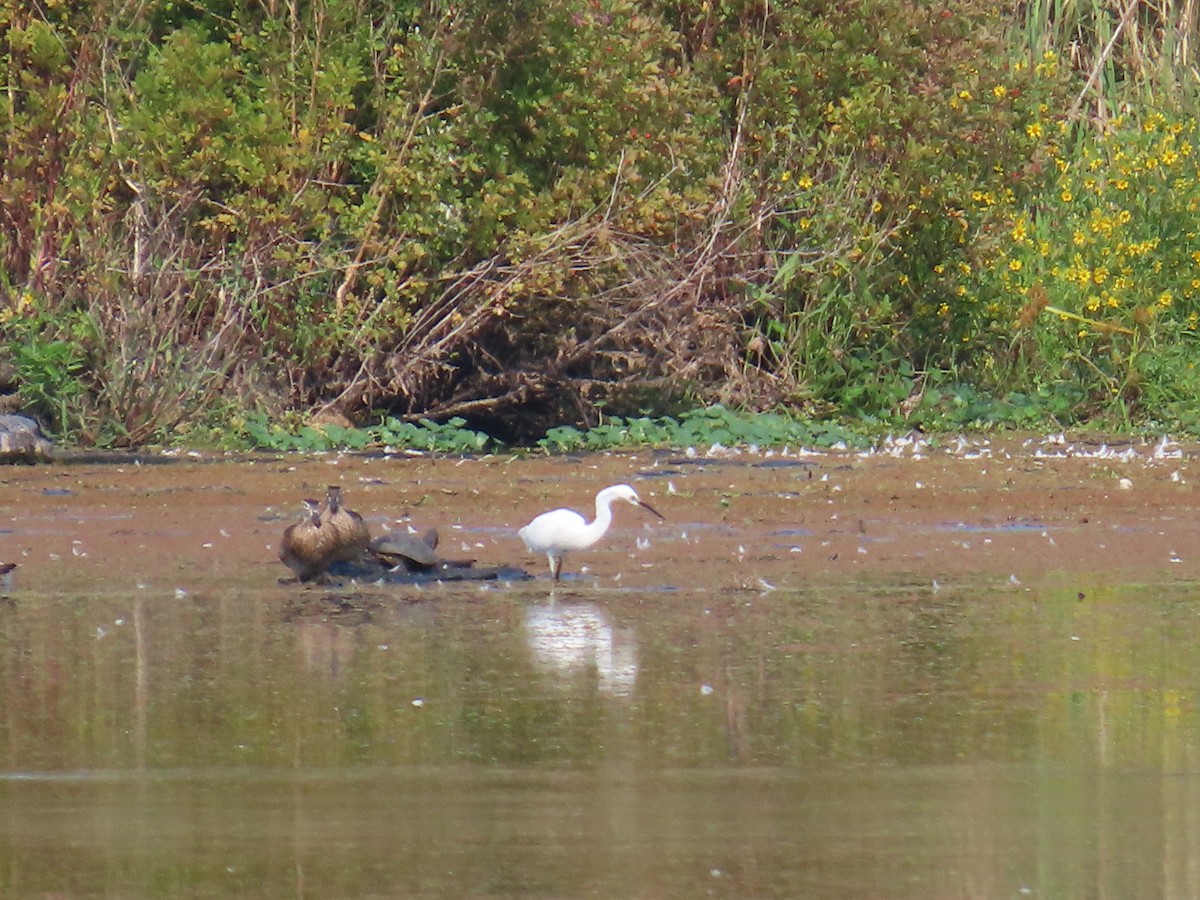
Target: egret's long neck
[{"x": 596, "y": 528}]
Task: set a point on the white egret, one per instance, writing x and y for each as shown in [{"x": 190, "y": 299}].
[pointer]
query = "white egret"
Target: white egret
[{"x": 560, "y": 530}]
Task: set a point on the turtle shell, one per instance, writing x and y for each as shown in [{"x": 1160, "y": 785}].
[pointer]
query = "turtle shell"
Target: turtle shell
[
  {"x": 400, "y": 548},
  {"x": 22, "y": 439}
]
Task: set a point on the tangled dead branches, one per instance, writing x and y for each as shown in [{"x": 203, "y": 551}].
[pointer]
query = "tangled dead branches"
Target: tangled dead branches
[
  {"x": 648, "y": 325},
  {"x": 656, "y": 327}
]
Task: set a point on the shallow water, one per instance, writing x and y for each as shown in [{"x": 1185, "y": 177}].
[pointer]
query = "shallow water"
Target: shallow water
[{"x": 928, "y": 674}]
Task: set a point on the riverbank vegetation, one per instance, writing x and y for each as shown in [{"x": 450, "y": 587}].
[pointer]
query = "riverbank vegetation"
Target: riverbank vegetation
[{"x": 251, "y": 216}]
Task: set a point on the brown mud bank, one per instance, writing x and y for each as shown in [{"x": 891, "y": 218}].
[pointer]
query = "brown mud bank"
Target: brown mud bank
[{"x": 907, "y": 512}]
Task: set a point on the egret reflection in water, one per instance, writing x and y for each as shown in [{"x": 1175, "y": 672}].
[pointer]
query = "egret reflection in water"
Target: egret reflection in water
[{"x": 569, "y": 640}]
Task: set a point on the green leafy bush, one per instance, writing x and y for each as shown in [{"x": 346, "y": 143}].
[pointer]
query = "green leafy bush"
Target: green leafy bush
[
  {"x": 47, "y": 367},
  {"x": 701, "y": 428},
  {"x": 1092, "y": 282},
  {"x": 594, "y": 213},
  {"x": 438, "y": 437}
]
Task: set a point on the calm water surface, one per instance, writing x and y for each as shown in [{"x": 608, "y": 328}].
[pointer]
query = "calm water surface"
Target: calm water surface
[
  {"x": 843, "y": 738},
  {"x": 603, "y": 743}
]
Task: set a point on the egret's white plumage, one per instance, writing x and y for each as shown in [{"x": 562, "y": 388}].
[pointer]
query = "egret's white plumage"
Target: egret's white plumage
[{"x": 560, "y": 530}]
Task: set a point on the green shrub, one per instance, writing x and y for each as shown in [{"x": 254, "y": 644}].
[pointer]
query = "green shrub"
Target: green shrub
[
  {"x": 1096, "y": 280},
  {"x": 531, "y": 214},
  {"x": 700, "y": 428},
  {"x": 47, "y": 367}
]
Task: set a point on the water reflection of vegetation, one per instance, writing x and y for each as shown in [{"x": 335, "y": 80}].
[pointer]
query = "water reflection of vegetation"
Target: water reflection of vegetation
[
  {"x": 904, "y": 677},
  {"x": 891, "y": 711}
]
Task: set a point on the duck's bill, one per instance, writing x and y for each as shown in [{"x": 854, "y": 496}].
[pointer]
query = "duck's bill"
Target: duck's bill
[{"x": 647, "y": 506}]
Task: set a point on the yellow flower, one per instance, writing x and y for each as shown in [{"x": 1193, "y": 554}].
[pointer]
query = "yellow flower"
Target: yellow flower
[
  {"x": 1048, "y": 65},
  {"x": 805, "y": 182},
  {"x": 785, "y": 177},
  {"x": 1165, "y": 299},
  {"x": 999, "y": 91},
  {"x": 964, "y": 95},
  {"x": 1014, "y": 265},
  {"x": 1034, "y": 130},
  {"x": 1066, "y": 195},
  {"x": 904, "y": 279}
]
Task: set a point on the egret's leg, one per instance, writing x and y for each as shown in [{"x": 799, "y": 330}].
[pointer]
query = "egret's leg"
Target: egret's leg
[{"x": 555, "y": 566}]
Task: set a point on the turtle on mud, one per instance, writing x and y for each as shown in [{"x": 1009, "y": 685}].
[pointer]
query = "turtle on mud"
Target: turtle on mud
[
  {"x": 21, "y": 440},
  {"x": 415, "y": 553}
]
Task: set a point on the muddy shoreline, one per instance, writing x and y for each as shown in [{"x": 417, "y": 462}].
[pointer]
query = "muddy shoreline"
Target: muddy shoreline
[{"x": 909, "y": 511}]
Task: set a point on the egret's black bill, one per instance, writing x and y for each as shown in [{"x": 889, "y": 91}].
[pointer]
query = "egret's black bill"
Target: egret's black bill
[{"x": 652, "y": 509}]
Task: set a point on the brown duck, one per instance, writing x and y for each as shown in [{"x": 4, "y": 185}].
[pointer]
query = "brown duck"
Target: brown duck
[
  {"x": 351, "y": 537},
  {"x": 307, "y": 547}
]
